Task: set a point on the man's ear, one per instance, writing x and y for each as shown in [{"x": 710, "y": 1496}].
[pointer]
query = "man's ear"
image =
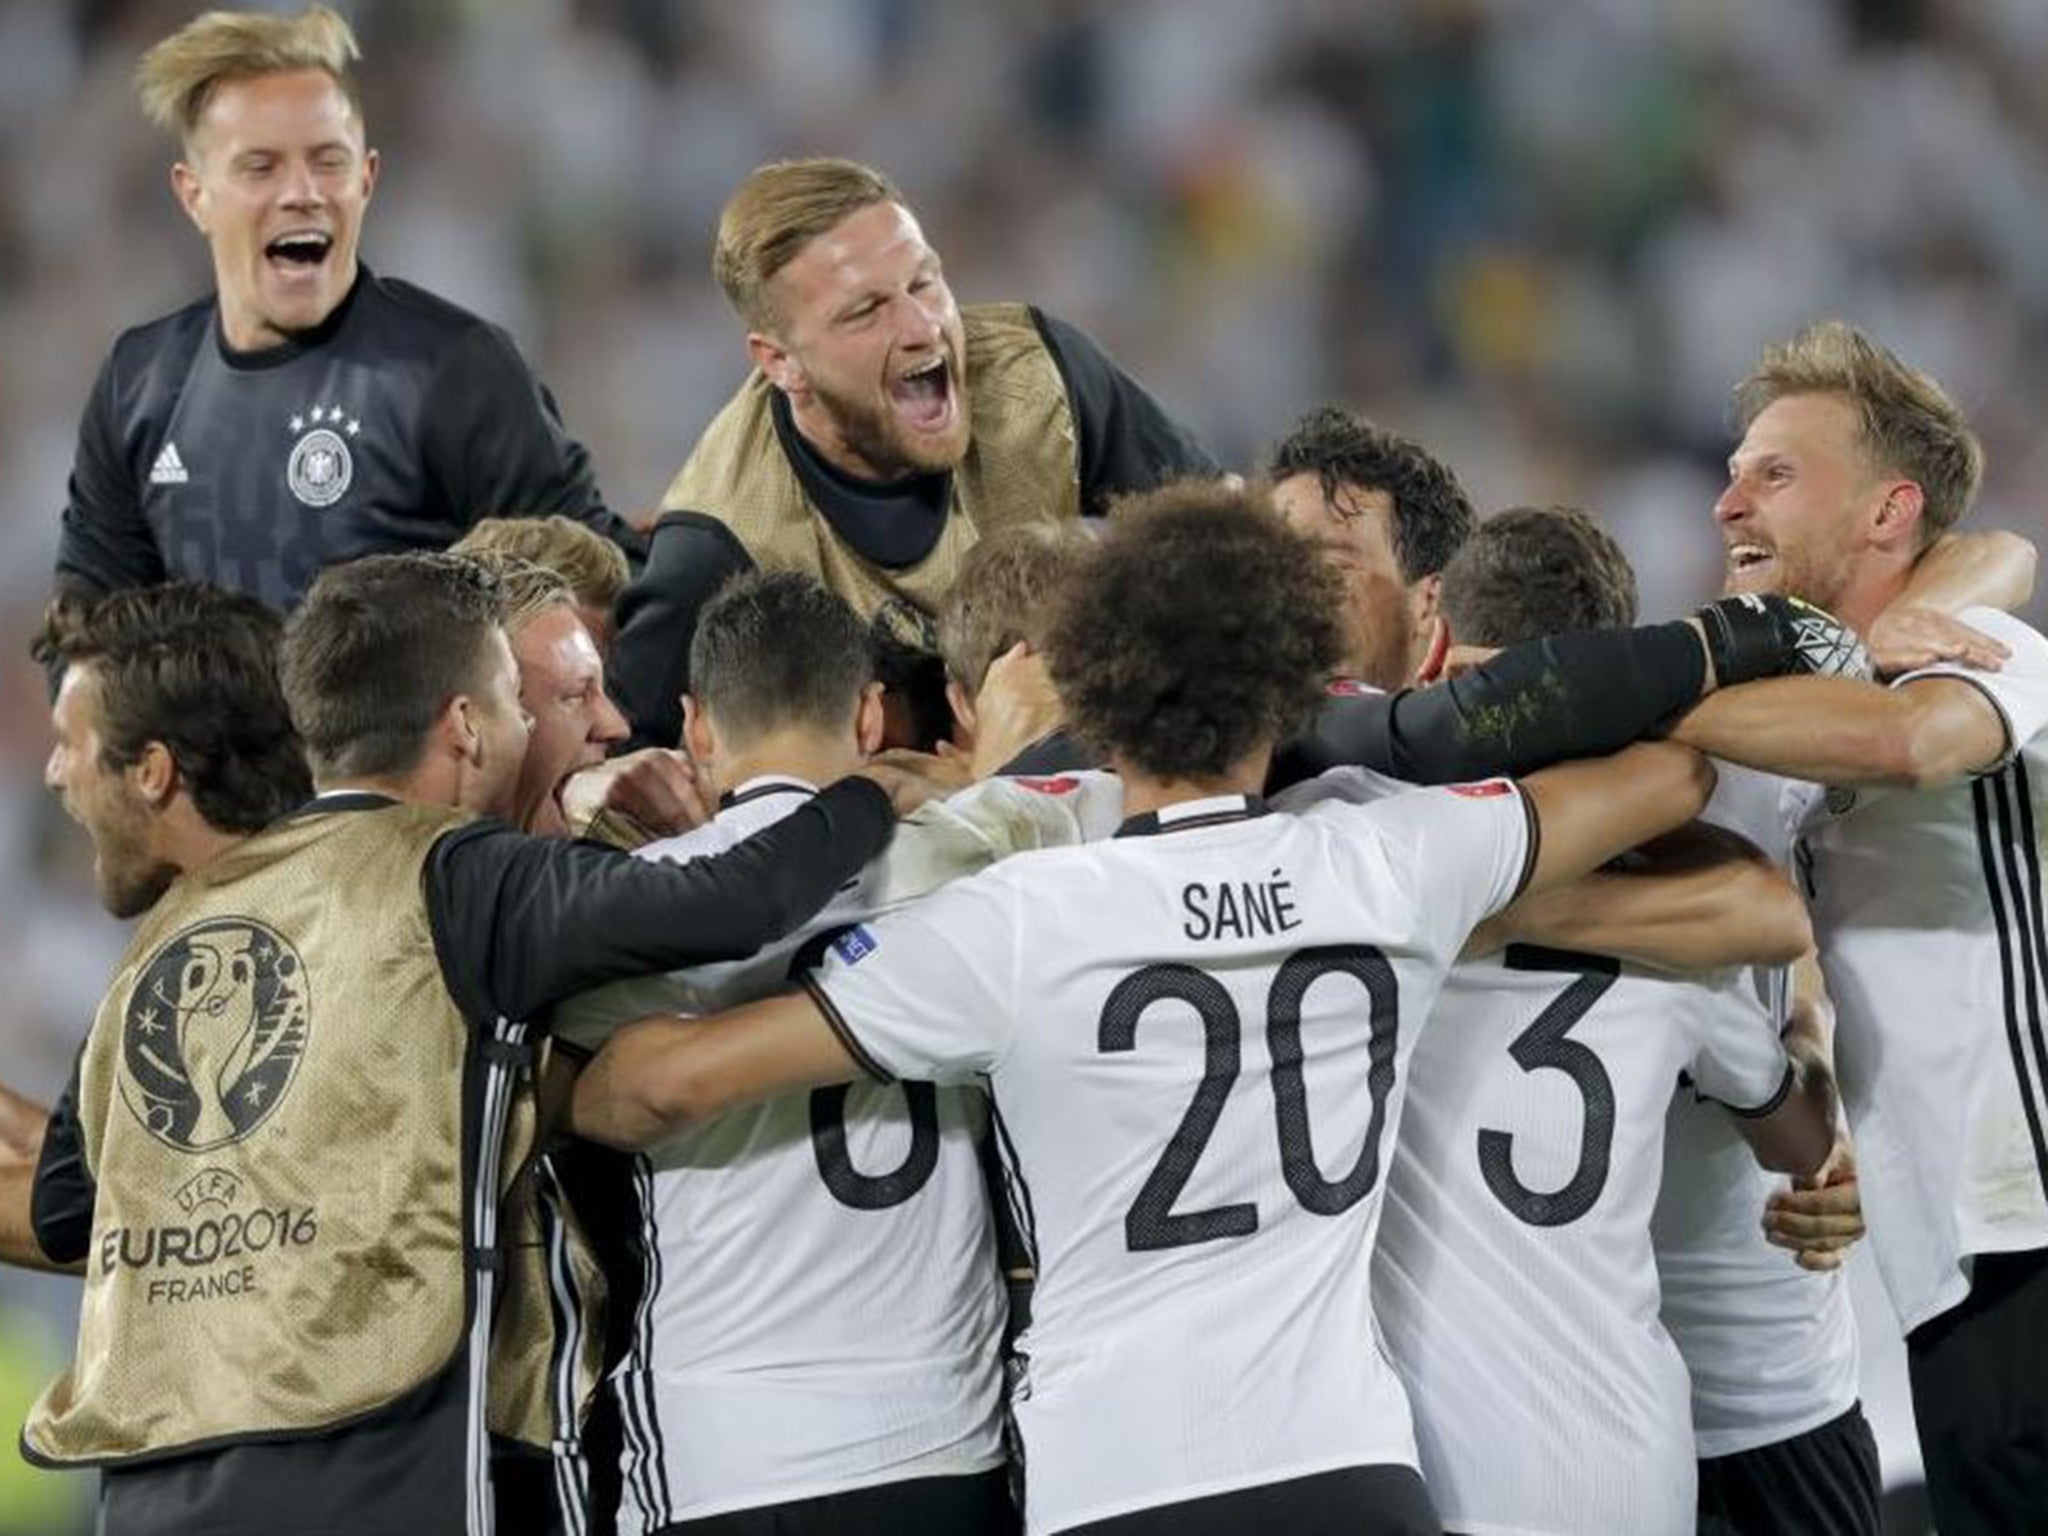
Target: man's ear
[
  {"x": 460, "y": 732},
  {"x": 1897, "y": 525},
  {"x": 699, "y": 740},
  {"x": 190, "y": 192},
  {"x": 154, "y": 775},
  {"x": 778, "y": 365},
  {"x": 1425, "y": 599},
  {"x": 869, "y": 720},
  {"x": 963, "y": 714}
]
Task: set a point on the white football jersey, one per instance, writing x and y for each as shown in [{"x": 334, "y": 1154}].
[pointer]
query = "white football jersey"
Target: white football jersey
[
  {"x": 1927, "y": 907},
  {"x": 1770, "y": 1347},
  {"x": 819, "y": 1307},
  {"x": 1195, "y": 1035},
  {"x": 1514, "y": 1280}
]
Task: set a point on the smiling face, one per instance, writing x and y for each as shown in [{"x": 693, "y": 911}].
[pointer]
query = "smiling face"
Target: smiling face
[
  {"x": 129, "y": 872},
  {"x": 1354, "y": 533},
  {"x": 868, "y": 345},
  {"x": 561, "y": 688},
  {"x": 276, "y": 176},
  {"x": 1801, "y": 490}
]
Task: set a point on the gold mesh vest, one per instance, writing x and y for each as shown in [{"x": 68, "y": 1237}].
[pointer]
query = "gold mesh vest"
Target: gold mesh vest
[
  {"x": 1021, "y": 466},
  {"x": 271, "y": 1102}
]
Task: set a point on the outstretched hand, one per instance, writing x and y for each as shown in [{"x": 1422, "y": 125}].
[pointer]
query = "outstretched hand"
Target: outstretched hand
[{"x": 1904, "y": 639}]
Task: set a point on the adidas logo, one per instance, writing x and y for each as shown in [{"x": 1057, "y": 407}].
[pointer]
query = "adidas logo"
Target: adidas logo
[{"x": 169, "y": 469}]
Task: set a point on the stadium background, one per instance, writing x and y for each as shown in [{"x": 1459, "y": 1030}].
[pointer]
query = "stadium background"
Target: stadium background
[{"x": 1545, "y": 236}]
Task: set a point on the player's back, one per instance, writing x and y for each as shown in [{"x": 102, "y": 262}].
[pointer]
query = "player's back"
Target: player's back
[
  {"x": 1195, "y": 1036},
  {"x": 818, "y": 1307},
  {"x": 1515, "y": 1278},
  {"x": 1770, "y": 1347}
]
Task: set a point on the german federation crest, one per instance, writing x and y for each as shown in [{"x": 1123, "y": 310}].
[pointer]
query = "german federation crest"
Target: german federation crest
[
  {"x": 213, "y": 1032},
  {"x": 321, "y": 465}
]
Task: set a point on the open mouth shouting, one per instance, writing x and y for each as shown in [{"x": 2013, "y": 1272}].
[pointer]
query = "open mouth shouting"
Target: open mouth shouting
[
  {"x": 925, "y": 398},
  {"x": 298, "y": 254}
]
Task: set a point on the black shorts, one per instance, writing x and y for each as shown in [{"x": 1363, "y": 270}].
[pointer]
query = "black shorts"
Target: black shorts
[
  {"x": 922, "y": 1506},
  {"x": 1980, "y": 1397},
  {"x": 1356, "y": 1501},
  {"x": 1822, "y": 1483}
]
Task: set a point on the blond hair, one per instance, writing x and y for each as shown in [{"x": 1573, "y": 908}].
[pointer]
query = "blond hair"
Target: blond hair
[
  {"x": 777, "y": 211},
  {"x": 594, "y": 567},
  {"x": 1907, "y": 423},
  {"x": 1006, "y": 591},
  {"x": 527, "y": 589},
  {"x": 178, "y": 77}
]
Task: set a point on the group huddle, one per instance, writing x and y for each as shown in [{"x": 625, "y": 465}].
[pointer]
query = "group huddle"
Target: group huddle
[{"x": 987, "y": 974}]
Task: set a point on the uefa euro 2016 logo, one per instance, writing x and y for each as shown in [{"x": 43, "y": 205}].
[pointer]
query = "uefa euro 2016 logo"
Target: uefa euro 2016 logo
[{"x": 213, "y": 1033}]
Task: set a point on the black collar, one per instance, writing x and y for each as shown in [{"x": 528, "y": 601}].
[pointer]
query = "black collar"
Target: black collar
[
  {"x": 1188, "y": 814},
  {"x": 894, "y": 524},
  {"x": 341, "y": 800},
  {"x": 762, "y": 787}
]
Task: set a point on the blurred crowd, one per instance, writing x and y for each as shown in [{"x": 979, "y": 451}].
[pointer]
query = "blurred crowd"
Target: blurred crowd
[{"x": 1544, "y": 236}]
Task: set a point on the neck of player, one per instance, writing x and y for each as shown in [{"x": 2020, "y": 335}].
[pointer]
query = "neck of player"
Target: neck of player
[
  {"x": 1144, "y": 792},
  {"x": 789, "y": 755}
]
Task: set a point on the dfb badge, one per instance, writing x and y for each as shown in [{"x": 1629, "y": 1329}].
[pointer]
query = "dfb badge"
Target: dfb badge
[
  {"x": 212, "y": 1033},
  {"x": 321, "y": 466}
]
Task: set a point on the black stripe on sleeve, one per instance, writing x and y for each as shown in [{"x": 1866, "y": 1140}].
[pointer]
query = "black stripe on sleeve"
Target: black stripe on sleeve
[
  {"x": 1769, "y": 1106},
  {"x": 844, "y": 1031},
  {"x": 1535, "y": 824}
]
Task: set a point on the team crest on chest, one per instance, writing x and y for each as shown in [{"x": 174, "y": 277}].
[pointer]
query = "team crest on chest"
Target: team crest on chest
[
  {"x": 321, "y": 466},
  {"x": 213, "y": 1032}
]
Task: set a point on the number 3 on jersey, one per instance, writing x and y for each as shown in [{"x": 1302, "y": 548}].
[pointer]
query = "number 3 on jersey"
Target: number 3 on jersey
[
  {"x": 848, "y": 1185},
  {"x": 1543, "y": 1046},
  {"x": 1151, "y": 1222}
]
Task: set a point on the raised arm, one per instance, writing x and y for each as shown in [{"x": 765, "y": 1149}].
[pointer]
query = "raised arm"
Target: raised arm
[
  {"x": 524, "y": 922},
  {"x": 1925, "y": 732},
  {"x": 1565, "y": 697},
  {"x": 1588, "y": 812},
  {"x": 1698, "y": 899}
]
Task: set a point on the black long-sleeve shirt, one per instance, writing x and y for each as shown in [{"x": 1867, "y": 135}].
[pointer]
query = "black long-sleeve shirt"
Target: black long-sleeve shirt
[
  {"x": 521, "y": 922},
  {"x": 395, "y": 424},
  {"x": 1125, "y": 442},
  {"x": 518, "y": 924}
]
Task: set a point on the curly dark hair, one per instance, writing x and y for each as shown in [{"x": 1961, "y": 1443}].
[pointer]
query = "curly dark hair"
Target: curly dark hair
[
  {"x": 378, "y": 649},
  {"x": 195, "y": 668},
  {"x": 1199, "y": 631},
  {"x": 1535, "y": 571},
  {"x": 1432, "y": 514}
]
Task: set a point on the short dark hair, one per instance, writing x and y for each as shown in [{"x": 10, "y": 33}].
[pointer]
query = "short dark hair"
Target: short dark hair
[
  {"x": 195, "y": 668},
  {"x": 377, "y": 650},
  {"x": 1535, "y": 571},
  {"x": 1199, "y": 630},
  {"x": 1004, "y": 592},
  {"x": 775, "y": 649},
  {"x": 1432, "y": 514}
]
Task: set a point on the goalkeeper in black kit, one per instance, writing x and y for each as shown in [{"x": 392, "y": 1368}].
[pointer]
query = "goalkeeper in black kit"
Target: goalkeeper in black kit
[{"x": 309, "y": 411}]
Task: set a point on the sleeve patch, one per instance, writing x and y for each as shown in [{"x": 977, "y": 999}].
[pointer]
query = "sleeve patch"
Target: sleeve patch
[
  {"x": 854, "y": 945},
  {"x": 1060, "y": 784},
  {"x": 1486, "y": 789}
]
